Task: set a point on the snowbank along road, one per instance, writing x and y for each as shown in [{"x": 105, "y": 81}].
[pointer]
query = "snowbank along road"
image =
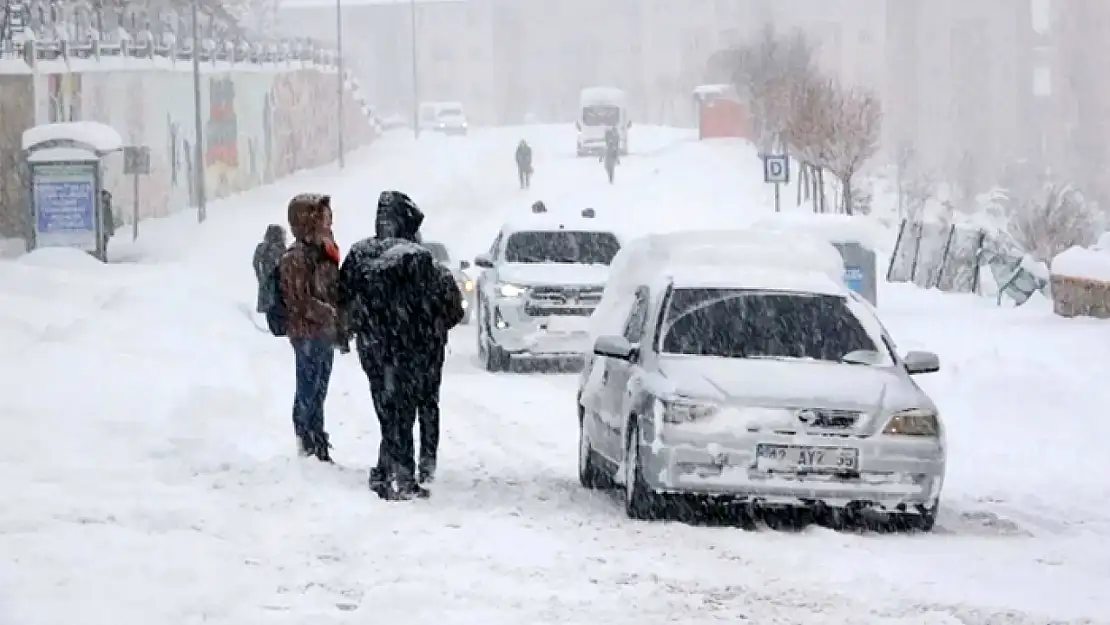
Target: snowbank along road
[{"x": 149, "y": 473}]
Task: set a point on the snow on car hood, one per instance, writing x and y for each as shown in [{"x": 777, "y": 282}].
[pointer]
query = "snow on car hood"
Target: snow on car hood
[
  {"x": 789, "y": 384},
  {"x": 556, "y": 274}
]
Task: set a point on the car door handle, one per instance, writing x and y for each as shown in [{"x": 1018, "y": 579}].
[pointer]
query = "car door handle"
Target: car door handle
[{"x": 605, "y": 375}]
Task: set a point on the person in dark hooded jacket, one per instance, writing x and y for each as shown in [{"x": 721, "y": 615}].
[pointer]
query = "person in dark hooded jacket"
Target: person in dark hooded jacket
[
  {"x": 393, "y": 299},
  {"x": 267, "y": 254}
]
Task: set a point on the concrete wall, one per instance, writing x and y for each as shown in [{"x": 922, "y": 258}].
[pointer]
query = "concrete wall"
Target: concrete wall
[{"x": 260, "y": 123}]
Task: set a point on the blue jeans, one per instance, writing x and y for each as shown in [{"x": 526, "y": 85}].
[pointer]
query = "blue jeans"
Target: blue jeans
[{"x": 313, "y": 358}]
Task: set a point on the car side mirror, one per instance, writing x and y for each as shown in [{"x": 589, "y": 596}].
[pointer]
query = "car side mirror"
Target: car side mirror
[
  {"x": 464, "y": 264},
  {"x": 921, "y": 362},
  {"x": 483, "y": 261},
  {"x": 614, "y": 347}
]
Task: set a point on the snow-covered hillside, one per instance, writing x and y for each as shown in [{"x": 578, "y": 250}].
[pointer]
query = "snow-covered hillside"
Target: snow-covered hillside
[{"x": 148, "y": 474}]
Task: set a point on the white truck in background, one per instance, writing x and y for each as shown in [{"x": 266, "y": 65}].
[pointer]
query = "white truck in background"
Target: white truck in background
[{"x": 601, "y": 108}]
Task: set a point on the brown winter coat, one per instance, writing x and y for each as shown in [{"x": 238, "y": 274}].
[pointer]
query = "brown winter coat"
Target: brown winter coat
[{"x": 310, "y": 270}]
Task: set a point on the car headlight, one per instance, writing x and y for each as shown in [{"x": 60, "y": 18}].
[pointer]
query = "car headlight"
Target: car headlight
[
  {"x": 511, "y": 290},
  {"x": 915, "y": 422},
  {"x": 684, "y": 411},
  {"x": 468, "y": 285}
]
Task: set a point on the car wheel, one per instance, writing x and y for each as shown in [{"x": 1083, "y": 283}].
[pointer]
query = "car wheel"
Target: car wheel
[
  {"x": 640, "y": 502},
  {"x": 923, "y": 521},
  {"x": 493, "y": 358},
  {"x": 589, "y": 474}
]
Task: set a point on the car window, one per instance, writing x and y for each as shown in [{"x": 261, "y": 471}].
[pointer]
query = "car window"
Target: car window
[
  {"x": 561, "y": 246},
  {"x": 637, "y": 317},
  {"x": 736, "y": 323}
]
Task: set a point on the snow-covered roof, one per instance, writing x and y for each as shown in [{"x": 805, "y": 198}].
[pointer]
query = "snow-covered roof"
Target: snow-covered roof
[
  {"x": 602, "y": 95},
  {"x": 767, "y": 259},
  {"x": 1078, "y": 262},
  {"x": 834, "y": 228},
  {"x": 751, "y": 277},
  {"x": 712, "y": 89},
  {"x": 92, "y": 136}
]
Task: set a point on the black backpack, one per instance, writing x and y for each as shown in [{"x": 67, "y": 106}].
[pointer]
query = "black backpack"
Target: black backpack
[{"x": 277, "y": 317}]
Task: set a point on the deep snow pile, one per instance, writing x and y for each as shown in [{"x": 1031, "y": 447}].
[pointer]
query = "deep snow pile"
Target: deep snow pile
[{"x": 148, "y": 472}]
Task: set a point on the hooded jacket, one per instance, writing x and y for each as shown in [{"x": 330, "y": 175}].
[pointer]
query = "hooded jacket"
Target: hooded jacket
[
  {"x": 267, "y": 255},
  {"x": 309, "y": 270},
  {"x": 391, "y": 290}
]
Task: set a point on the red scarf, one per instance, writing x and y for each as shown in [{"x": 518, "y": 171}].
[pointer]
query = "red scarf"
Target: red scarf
[{"x": 331, "y": 250}]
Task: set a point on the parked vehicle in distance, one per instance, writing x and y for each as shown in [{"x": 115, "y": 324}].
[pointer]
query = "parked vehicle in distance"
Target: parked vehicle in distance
[
  {"x": 542, "y": 278},
  {"x": 466, "y": 284},
  {"x": 746, "y": 371}
]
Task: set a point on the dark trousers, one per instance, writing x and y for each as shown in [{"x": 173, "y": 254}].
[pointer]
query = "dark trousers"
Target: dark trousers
[
  {"x": 313, "y": 360},
  {"x": 428, "y": 381},
  {"x": 525, "y": 175},
  {"x": 393, "y": 387}
]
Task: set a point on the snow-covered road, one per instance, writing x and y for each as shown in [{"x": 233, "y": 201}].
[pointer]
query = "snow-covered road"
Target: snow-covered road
[{"x": 147, "y": 472}]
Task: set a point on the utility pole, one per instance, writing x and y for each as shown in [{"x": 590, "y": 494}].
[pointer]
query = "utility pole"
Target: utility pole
[
  {"x": 198, "y": 137},
  {"x": 339, "y": 70},
  {"x": 415, "y": 74}
]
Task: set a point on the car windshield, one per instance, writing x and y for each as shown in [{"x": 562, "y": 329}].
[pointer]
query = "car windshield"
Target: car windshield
[
  {"x": 737, "y": 323},
  {"x": 562, "y": 246},
  {"x": 601, "y": 115},
  {"x": 438, "y": 250},
  {"x": 450, "y": 111}
]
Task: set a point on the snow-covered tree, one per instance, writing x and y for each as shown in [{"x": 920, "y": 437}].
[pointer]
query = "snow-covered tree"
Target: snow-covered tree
[{"x": 1054, "y": 220}]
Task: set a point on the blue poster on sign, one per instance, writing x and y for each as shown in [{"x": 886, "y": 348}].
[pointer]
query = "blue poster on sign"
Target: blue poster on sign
[
  {"x": 853, "y": 278},
  {"x": 65, "y": 204}
]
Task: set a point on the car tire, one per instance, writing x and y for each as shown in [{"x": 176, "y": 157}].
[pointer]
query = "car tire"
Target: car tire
[
  {"x": 917, "y": 522},
  {"x": 640, "y": 502},
  {"x": 494, "y": 359},
  {"x": 589, "y": 474}
]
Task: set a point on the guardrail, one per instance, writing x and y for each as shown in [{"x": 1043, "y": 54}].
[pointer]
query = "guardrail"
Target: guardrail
[{"x": 211, "y": 51}]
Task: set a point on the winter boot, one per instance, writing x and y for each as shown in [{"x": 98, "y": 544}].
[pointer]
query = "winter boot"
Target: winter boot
[
  {"x": 305, "y": 445},
  {"x": 321, "y": 447},
  {"x": 426, "y": 472}
]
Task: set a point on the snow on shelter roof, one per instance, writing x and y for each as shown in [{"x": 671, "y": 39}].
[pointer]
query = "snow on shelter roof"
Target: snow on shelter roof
[
  {"x": 834, "y": 228},
  {"x": 94, "y": 137}
]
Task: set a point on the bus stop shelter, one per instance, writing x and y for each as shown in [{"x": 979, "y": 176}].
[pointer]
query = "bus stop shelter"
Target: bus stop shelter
[{"x": 64, "y": 161}]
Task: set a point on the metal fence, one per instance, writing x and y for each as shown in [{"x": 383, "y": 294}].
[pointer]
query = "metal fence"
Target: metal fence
[{"x": 950, "y": 257}]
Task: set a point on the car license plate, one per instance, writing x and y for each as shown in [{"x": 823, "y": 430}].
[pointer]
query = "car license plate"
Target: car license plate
[
  {"x": 801, "y": 458},
  {"x": 577, "y": 326}
]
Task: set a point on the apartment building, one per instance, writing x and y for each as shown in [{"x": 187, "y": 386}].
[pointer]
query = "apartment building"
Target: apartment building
[
  {"x": 1079, "y": 39},
  {"x": 959, "y": 85},
  {"x": 451, "y": 58}
]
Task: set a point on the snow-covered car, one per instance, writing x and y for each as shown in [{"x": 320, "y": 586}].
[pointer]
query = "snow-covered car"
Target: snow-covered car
[
  {"x": 748, "y": 372},
  {"x": 466, "y": 284},
  {"x": 445, "y": 117},
  {"x": 543, "y": 277}
]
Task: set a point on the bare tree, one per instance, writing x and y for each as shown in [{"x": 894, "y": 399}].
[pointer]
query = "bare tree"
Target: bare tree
[
  {"x": 1055, "y": 220},
  {"x": 850, "y": 136},
  {"x": 807, "y": 130},
  {"x": 767, "y": 72},
  {"x": 916, "y": 185}
]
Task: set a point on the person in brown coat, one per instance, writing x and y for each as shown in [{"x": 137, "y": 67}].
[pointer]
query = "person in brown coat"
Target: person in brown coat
[{"x": 309, "y": 275}]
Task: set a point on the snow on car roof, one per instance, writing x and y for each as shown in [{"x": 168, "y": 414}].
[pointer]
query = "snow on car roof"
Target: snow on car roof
[
  {"x": 645, "y": 260},
  {"x": 752, "y": 277}
]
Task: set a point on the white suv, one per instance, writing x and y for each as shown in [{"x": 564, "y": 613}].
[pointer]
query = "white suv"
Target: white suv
[{"x": 542, "y": 279}]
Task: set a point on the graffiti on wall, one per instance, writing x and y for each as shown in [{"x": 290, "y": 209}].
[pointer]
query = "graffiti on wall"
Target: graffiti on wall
[{"x": 257, "y": 127}]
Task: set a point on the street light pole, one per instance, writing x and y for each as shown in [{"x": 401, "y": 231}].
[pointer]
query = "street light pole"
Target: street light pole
[
  {"x": 198, "y": 137},
  {"x": 415, "y": 74},
  {"x": 339, "y": 70}
]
